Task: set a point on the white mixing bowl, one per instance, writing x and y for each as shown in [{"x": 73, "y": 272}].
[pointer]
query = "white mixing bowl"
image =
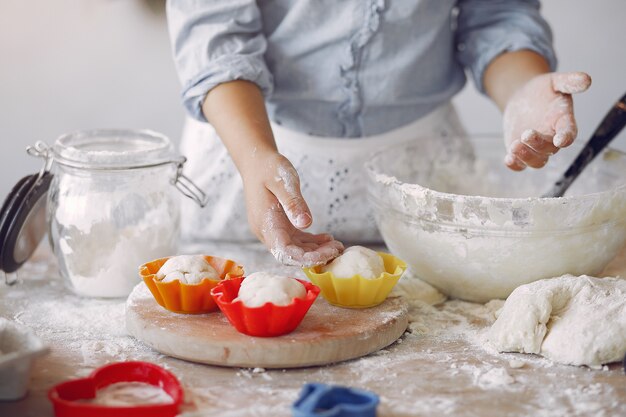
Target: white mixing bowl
[{"x": 477, "y": 230}]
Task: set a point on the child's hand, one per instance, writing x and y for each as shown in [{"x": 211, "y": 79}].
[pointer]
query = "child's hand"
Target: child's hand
[
  {"x": 539, "y": 118},
  {"x": 277, "y": 211}
]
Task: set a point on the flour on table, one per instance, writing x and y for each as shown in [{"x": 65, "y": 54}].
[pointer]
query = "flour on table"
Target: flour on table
[
  {"x": 494, "y": 378},
  {"x": 570, "y": 320},
  {"x": 356, "y": 260},
  {"x": 262, "y": 287},
  {"x": 414, "y": 289},
  {"x": 516, "y": 364},
  {"x": 434, "y": 371},
  {"x": 123, "y": 394},
  {"x": 188, "y": 269}
]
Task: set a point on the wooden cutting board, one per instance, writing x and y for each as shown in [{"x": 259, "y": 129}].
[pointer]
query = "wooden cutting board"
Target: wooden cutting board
[{"x": 327, "y": 334}]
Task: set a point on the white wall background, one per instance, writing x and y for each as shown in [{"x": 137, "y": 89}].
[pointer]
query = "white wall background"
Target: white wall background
[{"x": 77, "y": 64}]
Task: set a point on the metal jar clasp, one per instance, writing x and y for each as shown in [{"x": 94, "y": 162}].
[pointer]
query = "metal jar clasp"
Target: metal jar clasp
[{"x": 186, "y": 186}]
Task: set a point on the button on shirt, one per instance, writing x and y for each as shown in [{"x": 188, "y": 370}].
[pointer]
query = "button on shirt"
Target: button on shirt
[{"x": 347, "y": 68}]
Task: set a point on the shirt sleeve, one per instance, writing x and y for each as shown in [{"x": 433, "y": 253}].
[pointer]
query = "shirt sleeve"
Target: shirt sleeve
[
  {"x": 488, "y": 28},
  {"x": 216, "y": 41}
]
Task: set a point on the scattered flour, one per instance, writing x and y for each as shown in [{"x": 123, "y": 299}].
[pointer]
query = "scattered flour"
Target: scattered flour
[
  {"x": 516, "y": 364},
  {"x": 439, "y": 367},
  {"x": 414, "y": 289},
  {"x": 494, "y": 378}
]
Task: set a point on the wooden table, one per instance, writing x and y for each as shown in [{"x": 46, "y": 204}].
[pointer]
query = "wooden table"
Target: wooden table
[{"x": 438, "y": 368}]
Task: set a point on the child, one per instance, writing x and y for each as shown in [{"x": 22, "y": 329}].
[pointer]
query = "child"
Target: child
[{"x": 329, "y": 81}]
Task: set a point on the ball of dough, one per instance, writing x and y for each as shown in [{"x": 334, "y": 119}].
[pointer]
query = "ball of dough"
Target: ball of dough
[
  {"x": 356, "y": 260},
  {"x": 188, "y": 269},
  {"x": 262, "y": 287}
]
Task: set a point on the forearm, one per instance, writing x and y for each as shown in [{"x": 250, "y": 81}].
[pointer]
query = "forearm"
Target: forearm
[
  {"x": 511, "y": 70},
  {"x": 237, "y": 112}
]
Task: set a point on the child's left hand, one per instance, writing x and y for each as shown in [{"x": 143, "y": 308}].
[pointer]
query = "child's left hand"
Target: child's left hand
[{"x": 539, "y": 118}]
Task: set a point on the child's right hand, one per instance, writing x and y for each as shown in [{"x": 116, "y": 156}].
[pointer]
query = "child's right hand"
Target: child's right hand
[
  {"x": 276, "y": 210},
  {"x": 277, "y": 213}
]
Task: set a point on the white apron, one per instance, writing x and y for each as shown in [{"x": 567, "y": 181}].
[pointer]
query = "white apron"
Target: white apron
[{"x": 332, "y": 177}]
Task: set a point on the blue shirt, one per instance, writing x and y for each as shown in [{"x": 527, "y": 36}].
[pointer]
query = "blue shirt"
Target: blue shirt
[{"x": 347, "y": 68}]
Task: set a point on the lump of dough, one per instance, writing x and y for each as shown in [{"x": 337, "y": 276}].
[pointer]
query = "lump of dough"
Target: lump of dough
[
  {"x": 188, "y": 269},
  {"x": 570, "y": 320},
  {"x": 262, "y": 287},
  {"x": 356, "y": 260}
]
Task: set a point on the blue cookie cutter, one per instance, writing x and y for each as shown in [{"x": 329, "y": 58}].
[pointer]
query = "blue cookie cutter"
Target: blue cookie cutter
[{"x": 321, "y": 400}]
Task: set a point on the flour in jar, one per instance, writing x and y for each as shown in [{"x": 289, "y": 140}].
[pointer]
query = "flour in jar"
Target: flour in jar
[{"x": 104, "y": 235}]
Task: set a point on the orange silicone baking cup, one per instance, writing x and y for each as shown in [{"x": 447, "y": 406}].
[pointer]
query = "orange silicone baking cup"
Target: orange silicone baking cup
[
  {"x": 188, "y": 298},
  {"x": 268, "y": 320}
]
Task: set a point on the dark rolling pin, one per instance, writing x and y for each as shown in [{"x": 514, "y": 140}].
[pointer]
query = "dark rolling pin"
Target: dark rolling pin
[{"x": 610, "y": 126}]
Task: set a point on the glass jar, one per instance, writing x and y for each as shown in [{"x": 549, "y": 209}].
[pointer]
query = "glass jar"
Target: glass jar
[{"x": 112, "y": 206}]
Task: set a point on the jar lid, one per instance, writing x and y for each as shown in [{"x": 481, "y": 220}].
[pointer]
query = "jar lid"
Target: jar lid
[
  {"x": 23, "y": 220},
  {"x": 113, "y": 149}
]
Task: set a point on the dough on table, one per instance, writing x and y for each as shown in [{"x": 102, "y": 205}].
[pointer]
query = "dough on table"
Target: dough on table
[
  {"x": 188, "y": 269},
  {"x": 356, "y": 260},
  {"x": 262, "y": 287},
  {"x": 570, "y": 320}
]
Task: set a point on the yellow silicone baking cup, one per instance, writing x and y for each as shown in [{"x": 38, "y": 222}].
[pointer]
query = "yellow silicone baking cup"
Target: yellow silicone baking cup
[
  {"x": 188, "y": 298},
  {"x": 356, "y": 291}
]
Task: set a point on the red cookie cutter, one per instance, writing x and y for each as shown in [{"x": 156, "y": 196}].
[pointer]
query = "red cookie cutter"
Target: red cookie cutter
[
  {"x": 267, "y": 320},
  {"x": 66, "y": 397}
]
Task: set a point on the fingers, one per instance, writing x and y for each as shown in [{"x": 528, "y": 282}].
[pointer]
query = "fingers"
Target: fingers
[
  {"x": 286, "y": 188},
  {"x": 565, "y": 126},
  {"x": 513, "y": 163},
  {"x": 533, "y": 150},
  {"x": 304, "y": 249},
  {"x": 323, "y": 254},
  {"x": 307, "y": 256},
  {"x": 552, "y": 114},
  {"x": 570, "y": 82},
  {"x": 318, "y": 239},
  {"x": 289, "y": 255},
  {"x": 539, "y": 142},
  {"x": 566, "y": 129}
]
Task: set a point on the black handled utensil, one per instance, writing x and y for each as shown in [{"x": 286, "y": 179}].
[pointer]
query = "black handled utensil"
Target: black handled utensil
[{"x": 611, "y": 125}]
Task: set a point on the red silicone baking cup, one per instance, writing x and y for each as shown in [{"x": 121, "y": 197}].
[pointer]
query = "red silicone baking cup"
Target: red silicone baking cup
[
  {"x": 268, "y": 320},
  {"x": 66, "y": 397}
]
